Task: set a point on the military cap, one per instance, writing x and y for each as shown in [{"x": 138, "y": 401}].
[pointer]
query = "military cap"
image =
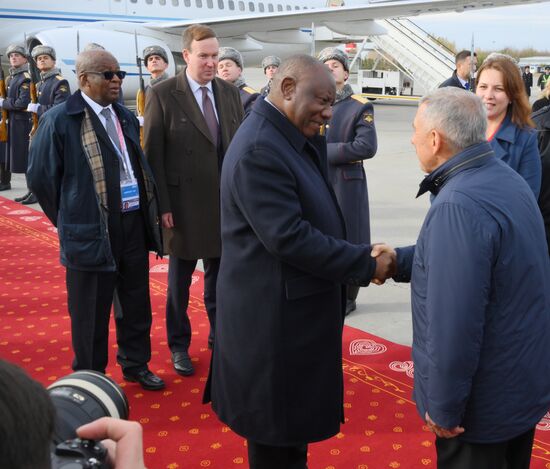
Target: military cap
[
  {"x": 333, "y": 53},
  {"x": 231, "y": 54},
  {"x": 16, "y": 48},
  {"x": 43, "y": 50},
  {"x": 271, "y": 60},
  {"x": 154, "y": 50}
]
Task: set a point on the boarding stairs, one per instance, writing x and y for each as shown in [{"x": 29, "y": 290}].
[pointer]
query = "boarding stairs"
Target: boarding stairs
[{"x": 414, "y": 52}]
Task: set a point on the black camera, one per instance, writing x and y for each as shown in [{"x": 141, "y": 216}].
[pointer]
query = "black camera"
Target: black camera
[{"x": 81, "y": 398}]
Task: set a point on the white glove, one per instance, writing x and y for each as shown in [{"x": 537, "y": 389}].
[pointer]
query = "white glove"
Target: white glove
[
  {"x": 33, "y": 107},
  {"x": 140, "y": 119},
  {"x": 1, "y": 101}
]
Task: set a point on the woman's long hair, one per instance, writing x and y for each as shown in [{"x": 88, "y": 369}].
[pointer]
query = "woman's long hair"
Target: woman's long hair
[{"x": 513, "y": 87}]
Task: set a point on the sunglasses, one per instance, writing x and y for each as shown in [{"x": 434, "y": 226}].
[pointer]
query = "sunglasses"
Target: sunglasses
[{"x": 109, "y": 75}]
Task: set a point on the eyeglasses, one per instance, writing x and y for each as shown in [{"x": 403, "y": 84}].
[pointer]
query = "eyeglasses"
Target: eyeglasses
[{"x": 109, "y": 75}]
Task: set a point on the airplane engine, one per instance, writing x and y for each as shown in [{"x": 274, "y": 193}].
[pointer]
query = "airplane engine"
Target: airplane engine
[{"x": 67, "y": 42}]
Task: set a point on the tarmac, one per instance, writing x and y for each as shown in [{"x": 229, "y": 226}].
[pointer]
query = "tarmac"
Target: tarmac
[{"x": 393, "y": 176}]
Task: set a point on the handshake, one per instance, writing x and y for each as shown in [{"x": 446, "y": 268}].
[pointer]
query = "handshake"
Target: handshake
[{"x": 386, "y": 263}]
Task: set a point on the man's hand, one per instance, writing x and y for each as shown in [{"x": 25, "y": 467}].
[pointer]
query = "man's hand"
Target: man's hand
[
  {"x": 386, "y": 263},
  {"x": 443, "y": 432},
  {"x": 33, "y": 107},
  {"x": 167, "y": 220},
  {"x": 123, "y": 440}
]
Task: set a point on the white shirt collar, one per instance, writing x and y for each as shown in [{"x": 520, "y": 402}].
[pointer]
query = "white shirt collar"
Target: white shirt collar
[
  {"x": 196, "y": 86},
  {"x": 96, "y": 107}
]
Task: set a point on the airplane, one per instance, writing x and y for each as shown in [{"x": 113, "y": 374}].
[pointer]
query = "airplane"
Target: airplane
[{"x": 255, "y": 27}]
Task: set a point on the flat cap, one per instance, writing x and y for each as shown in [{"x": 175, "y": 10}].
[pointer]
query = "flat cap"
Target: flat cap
[
  {"x": 271, "y": 60},
  {"x": 231, "y": 54},
  {"x": 333, "y": 53},
  {"x": 43, "y": 50},
  {"x": 154, "y": 50},
  {"x": 16, "y": 48}
]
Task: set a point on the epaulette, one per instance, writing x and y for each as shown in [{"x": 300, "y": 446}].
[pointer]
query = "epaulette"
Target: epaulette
[
  {"x": 27, "y": 75},
  {"x": 249, "y": 90},
  {"x": 360, "y": 98},
  {"x": 59, "y": 77}
]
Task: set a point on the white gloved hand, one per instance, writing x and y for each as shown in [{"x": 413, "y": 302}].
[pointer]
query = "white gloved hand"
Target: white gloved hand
[
  {"x": 140, "y": 119},
  {"x": 33, "y": 107},
  {"x": 1, "y": 101}
]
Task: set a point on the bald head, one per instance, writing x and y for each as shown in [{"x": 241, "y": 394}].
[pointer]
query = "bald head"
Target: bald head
[
  {"x": 303, "y": 89},
  {"x": 91, "y": 66}
]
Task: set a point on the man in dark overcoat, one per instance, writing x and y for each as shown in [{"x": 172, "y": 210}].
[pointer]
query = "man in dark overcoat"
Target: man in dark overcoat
[
  {"x": 351, "y": 138},
  {"x": 190, "y": 120},
  {"x": 14, "y": 159},
  {"x": 91, "y": 179},
  {"x": 276, "y": 376}
]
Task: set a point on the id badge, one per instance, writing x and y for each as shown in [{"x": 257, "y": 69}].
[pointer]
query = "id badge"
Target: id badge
[{"x": 129, "y": 192}]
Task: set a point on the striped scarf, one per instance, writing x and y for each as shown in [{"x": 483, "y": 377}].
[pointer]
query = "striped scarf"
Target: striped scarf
[{"x": 92, "y": 150}]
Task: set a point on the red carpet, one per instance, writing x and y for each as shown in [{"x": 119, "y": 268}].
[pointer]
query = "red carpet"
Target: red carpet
[{"x": 383, "y": 429}]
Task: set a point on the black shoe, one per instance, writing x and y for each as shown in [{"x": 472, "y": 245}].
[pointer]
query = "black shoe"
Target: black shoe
[
  {"x": 350, "y": 306},
  {"x": 5, "y": 187},
  {"x": 182, "y": 363},
  {"x": 146, "y": 378},
  {"x": 23, "y": 197},
  {"x": 31, "y": 199}
]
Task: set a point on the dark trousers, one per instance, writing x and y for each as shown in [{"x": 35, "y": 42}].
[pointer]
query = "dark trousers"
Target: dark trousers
[
  {"x": 512, "y": 454},
  {"x": 352, "y": 292},
  {"x": 91, "y": 294},
  {"x": 276, "y": 457},
  {"x": 178, "y": 326},
  {"x": 5, "y": 174}
]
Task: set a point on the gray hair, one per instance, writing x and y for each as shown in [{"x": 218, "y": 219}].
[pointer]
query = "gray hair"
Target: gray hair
[
  {"x": 458, "y": 114},
  {"x": 88, "y": 60}
]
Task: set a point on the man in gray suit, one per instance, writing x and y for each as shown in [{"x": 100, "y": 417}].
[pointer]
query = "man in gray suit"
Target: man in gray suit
[{"x": 189, "y": 122}]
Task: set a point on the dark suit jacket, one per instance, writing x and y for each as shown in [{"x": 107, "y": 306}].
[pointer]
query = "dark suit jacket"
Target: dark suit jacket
[
  {"x": 277, "y": 365},
  {"x": 186, "y": 163},
  {"x": 452, "y": 81}
]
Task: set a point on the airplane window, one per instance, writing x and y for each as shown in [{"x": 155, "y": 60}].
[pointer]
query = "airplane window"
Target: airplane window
[
  {"x": 279, "y": 7},
  {"x": 209, "y": 3},
  {"x": 288, "y": 7},
  {"x": 162, "y": 2},
  {"x": 133, "y": 1},
  {"x": 261, "y": 6},
  {"x": 187, "y": 3},
  {"x": 149, "y": 2},
  {"x": 297, "y": 7},
  {"x": 241, "y": 6},
  {"x": 176, "y": 3},
  {"x": 221, "y": 6},
  {"x": 270, "y": 7},
  {"x": 198, "y": 3},
  {"x": 251, "y": 6},
  {"x": 231, "y": 4}
]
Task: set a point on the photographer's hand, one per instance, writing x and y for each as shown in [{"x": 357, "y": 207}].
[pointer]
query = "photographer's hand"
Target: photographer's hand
[{"x": 123, "y": 440}]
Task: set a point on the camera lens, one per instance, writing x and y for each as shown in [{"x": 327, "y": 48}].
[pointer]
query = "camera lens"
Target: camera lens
[{"x": 82, "y": 397}]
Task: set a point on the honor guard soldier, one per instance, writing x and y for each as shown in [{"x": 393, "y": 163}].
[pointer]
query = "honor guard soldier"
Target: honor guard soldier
[
  {"x": 351, "y": 138},
  {"x": 270, "y": 64},
  {"x": 156, "y": 62},
  {"x": 14, "y": 158},
  {"x": 52, "y": 89},
  {"x": 230, "y": 68}
]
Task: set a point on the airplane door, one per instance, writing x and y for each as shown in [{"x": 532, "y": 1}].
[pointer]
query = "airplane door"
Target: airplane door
[{"x": 117, "y": 7}]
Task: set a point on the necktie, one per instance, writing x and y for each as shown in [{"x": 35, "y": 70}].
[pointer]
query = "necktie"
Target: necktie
[
  {"x": 467, "y": 85},
  {"x": 209, "y": 115},
  {"x": 111, "y": 129}
]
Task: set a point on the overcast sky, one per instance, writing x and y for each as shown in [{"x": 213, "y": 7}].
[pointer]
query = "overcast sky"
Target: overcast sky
[{"x": 495, "y": 28}]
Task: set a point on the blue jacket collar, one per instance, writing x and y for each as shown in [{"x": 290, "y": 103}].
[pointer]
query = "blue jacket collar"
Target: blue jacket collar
[
  {"x": 471, "y": 157},
  {"x": 507, "y": 131}
]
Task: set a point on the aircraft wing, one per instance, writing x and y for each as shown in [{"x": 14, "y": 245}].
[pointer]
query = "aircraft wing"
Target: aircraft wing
[{"x": 333, "y": 17}]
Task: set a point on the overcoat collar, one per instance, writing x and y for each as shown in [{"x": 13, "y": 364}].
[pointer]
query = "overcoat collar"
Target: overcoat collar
[{"x": 187, "y": 102}]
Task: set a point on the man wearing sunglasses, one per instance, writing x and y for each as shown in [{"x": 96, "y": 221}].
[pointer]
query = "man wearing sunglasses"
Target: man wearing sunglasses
[{"x": 92, "y": 181}]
